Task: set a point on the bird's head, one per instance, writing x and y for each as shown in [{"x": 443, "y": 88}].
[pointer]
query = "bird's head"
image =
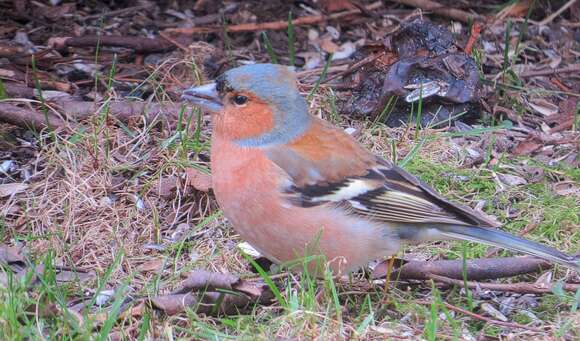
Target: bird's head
[{"x": 254, "y": 105}]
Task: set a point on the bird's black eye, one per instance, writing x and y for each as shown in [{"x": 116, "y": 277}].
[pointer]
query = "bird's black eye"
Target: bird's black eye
[{"x": 240, "y": 100}]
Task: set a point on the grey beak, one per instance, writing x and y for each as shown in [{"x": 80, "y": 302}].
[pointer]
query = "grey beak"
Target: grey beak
[{"x": 204, "y": 96}]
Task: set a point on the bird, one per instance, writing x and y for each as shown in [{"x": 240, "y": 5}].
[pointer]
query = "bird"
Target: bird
[{"x": 293, "y": 185}]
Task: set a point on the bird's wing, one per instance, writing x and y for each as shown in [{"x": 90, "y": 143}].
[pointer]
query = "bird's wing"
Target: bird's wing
[{"x": 328, "y": 166}]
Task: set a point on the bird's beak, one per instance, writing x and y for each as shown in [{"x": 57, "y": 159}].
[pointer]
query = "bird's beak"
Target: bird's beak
[{"x": 204, "y": 96}]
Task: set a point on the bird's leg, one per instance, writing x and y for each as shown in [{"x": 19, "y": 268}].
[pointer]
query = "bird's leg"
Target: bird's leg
[{"x": 390, "y": 266}]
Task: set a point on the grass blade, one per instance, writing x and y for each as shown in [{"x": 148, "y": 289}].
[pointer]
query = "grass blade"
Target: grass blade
[
  {"x": 321, "y": 78},
  {"x": 269, "y": 48},
  {"x": 269, "y": 282},
  {"x": 291, "y": 49}
]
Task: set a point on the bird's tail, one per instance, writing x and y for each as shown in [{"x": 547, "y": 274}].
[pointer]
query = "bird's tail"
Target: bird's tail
[{"x": 508, "y": 241}]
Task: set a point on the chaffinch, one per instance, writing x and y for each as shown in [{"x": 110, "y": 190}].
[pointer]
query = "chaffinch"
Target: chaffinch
[{"x": 288, "y": 180}]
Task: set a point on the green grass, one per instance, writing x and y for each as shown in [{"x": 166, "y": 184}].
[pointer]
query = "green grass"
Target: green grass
[
  {"x": 560, "y": 215},
  {"x": 269, "y": 49},
  {"x": 291, "y": 42}
]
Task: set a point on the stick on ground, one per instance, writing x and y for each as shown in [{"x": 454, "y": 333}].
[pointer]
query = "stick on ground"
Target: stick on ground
[{"x": 435, "y": 7}]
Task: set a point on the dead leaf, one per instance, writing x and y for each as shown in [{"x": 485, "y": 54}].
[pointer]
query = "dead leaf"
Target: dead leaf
[
  {"x": 566, "y": 188},
  {"x": 248, "y": 249},
  {"x": 11, "y": 258},
  {"x": 344, "y": 51},
  {"x": 509, "y": 180},
  {"x": 7, "y": 73},
  {"x": 568, "y": 106},
  {"x": 175, "y": 303},
  {"x": 10, "y": 189},
  {"x": 207, "y": 280},
  {"x": 328, "y": 45},
  {"x": 491, "y": 311},
  {"x": 135, "y": 311},
  {"x": 545, "y": 280},
  {"x": 331, "y": 6},
  {"x": 199, "y": 291},
  {"x": 517, "y": 9},
  {"x": 9, "y": 255},
  {"x": 198, "y": 180},
  {"x": 533, "y": 174},
  {"x": 153, "y": 265},
  {"x": 166, "y": 186},
  {"x": 526, "y": 147},
  {"x": 544, "y": 107},
  {"x": 65, "y": 275}
]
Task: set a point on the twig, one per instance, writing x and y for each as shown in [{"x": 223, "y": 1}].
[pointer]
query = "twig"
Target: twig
[
  {"x": 566, "y": 124},
  {"x": 519, "y": 288},
  {"x": 274, "y": 25},
  {"x": 173, "y": 41},
  {"x": 25, "y": 117},
  {"x": 123, "y": 111},
  {"x": 475, "y": 31},
  {"x": 355, "y": 66},
  {"x": 117, "y": 13},
  {"x": 534, "y": 73},
  {"x": 435, "y": 7},
  {"x": 139, "y": 44},
  {"x": 480, "y": 317},
  {"x": 554, "y": 15}
]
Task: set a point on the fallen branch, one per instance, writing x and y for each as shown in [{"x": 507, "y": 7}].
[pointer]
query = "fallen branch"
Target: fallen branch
[
  {"x": 123, "y": 111},
  {"x": 535, "y": 73},
  {"x": 18, "y": 91},
  {"x": 139, "y": 44},
  {"x": 480, "y": 317},
  {"x": 23, "y": 117},
  {"x": 475, "y": 269},
  {"x": 519, "y": 288},
  {"x": 437, "y": 8},
  {"x": 273, "y": 25}
]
